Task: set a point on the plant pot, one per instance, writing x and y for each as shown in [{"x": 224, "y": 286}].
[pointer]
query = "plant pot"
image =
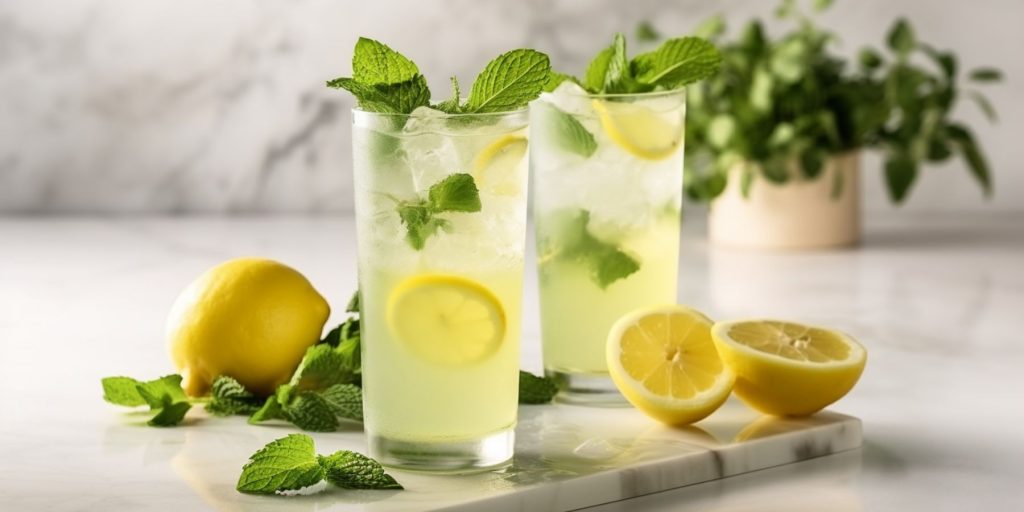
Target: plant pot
[{"x": 799, "y": 214}]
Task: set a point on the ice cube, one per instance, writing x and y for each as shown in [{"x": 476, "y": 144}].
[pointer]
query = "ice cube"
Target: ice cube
[
  {"x": 570, "y": 98},
  {"x": 430, "y": 154}
]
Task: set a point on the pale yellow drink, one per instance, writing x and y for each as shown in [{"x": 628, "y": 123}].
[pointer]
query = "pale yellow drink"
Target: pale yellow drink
[
  {"x": 607, "y": 188},
  {"x": 441, "y": 311}
]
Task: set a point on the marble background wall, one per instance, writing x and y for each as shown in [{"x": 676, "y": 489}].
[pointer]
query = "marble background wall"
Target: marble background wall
[{"x": 137, "y": 106}]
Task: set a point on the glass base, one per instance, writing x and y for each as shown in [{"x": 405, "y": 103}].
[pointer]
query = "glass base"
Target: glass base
[
  {"x": 490, "y": 452},
  {"x": 586, "y": 389}
]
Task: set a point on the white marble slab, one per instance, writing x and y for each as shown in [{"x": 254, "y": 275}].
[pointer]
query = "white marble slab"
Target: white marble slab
[{"x": 567, "y": 457}]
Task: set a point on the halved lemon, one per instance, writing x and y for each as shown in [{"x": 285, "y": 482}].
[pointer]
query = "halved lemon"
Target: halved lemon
[
  {"x": 786, "y": 368},
  {"x": 664, "y": 362},
  {"x": 496, "y": 165},
  {"x": 446, "y": 319},
  {"x": 639, "y": 130}
]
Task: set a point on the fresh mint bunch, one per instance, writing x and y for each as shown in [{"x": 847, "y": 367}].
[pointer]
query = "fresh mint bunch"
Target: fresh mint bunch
[
  {"x": 229, "y": 397},
  {"x": 291, "y": 463},
  {"x": 573, "y": 241},
  {"x": 164, "y": 396},
  {"x": 535, "y": 390},
  {"x": 676, "y": 63},
  {"x": 384, "y": 80},
  {"x": 455, "y": 193}
]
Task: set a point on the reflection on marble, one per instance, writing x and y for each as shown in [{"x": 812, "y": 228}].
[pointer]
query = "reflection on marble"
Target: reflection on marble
[{"x": 200, "y": 106}]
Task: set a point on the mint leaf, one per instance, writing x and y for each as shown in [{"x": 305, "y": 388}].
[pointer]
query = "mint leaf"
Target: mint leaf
[
  {"x": 617, "y": 76},
  {"x": 564, "y": 130},
  {"x": 321, "y": 368},
  {"x": 400, "y": 98},
  {"x": 271, "y": 410},
  {"x": 169, "y": 413},
  {"x": 345, "y": 400},
  {"x": 286, "y": 464},
  {"x": 310, "y": 411},
  {"x": 509, "y": 82},
  {"x": 593, "y": 80},
  {"x": 122, "y": 391},
  {"x": 229, "y": 397},
  {"x": 351, "y": 470},
  {"x": 375, "y": 63},
  {"x": 677, "y": 62},
  {"x": 153, "y": 391},
  {"x": 534, "y": 389},
  {"x": 353, "y": 303},
  {"x": 420, "y": 224},
  {"x": 455, "y": 193},
  {"x": 572, "y": 241}
]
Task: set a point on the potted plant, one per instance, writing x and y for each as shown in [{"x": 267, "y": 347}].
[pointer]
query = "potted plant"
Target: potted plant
[{"x": 773, "y": 140}]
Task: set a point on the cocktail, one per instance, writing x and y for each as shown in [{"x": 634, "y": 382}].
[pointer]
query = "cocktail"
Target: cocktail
[
  {"x": 607, "y": 159},
  {"x": 440, "y": 197}
]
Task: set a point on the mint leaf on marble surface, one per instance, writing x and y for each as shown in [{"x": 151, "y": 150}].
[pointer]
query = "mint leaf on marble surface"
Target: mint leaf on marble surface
[
  {"x": 352, "y": 470},
  {"x": 345, "y": 401},
  {"x": 455, "y": 193},
  {"x": 122, "y": 391},
  {"x": 509, "y": 82},
  {"x": 286, "y": 464},
  {"x": 229, "y": 397},
  {"x": 164, "y": 397},
  {"x": 564, "y": 130},
  {"x": 310, "y": 411},
  {"x": 271, "y": 410},
  {"x": 534, "y": 389},
  {"x": 677, "y": 62},
  {"x": 321, "y": 368}
]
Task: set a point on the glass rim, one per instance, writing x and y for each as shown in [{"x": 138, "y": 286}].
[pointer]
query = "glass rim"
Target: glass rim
[
  {"x": 647, "y": 94},
  {"x": 446, "y": 115}
]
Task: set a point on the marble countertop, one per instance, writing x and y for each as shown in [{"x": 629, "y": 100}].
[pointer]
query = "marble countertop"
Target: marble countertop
[{"x": 935, "y": 299}]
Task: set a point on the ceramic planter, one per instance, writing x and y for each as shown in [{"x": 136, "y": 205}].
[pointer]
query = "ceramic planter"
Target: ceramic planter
[{"x": 800, "y": 214}]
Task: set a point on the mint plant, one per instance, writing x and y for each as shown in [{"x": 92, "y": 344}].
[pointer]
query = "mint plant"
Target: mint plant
[{"x": 793, "y": 99}]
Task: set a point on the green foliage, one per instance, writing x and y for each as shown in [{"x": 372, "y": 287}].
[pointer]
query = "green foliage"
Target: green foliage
[
  {"x": 535, "y": 390},
  {"x": 793, "y": 99},
  {"x": 676, "y": 63},
  {"x": 164, "y": 397},
  {"x": 573, "y": 241}
]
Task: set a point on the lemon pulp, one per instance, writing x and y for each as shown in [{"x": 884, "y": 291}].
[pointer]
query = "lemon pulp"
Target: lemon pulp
[
  {"x": 664, "y": 362},
  {"x": 639, "y": 130},
  {"x": 446, "y": 319},
  {"x": 495, "y": 166},
  {"x": 786, "y": 368}
]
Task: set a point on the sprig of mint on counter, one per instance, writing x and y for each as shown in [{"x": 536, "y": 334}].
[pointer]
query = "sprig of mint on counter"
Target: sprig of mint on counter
[
  {"x": 325, "y": 389},
  {"x": 605, "y": 262},
  {"x": 292, "y": 464},
  {"x": 386, "y": 81}
]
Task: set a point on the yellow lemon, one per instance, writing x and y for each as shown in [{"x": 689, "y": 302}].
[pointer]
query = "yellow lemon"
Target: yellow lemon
[
  {"x": 639, "y": 130},
  {"x": 251, "y": 319},
  {"x": 446, "y": 319},
  {"x": 664, "y": 362},
  {"x": 789, "y": 369},
  {"x": 495, "y": 167}
]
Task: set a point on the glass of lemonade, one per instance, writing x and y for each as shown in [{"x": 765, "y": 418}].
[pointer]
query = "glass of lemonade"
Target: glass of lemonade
[
  {"x": 607, "y": 184},
  {"x": 441, "y": 222}
]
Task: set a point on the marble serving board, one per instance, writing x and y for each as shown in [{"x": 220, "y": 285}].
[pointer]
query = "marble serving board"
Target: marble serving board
[{"x": 567, "y": 457}]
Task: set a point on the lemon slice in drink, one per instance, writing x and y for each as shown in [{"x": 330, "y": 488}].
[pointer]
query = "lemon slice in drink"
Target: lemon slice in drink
[
  {"x": 664, "y": 362},
  {"x": 494, "y": 168},
  {"x": 789, "y": 369},
  {"x": 446, "y": 319},
  {"x": 639, "y": 130}
]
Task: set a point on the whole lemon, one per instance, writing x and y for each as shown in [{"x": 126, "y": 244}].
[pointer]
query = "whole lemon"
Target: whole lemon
[{"x": 249, "y": 318}]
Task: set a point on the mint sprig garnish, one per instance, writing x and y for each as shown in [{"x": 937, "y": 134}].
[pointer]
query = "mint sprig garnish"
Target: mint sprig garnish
[
  {"x": 676, "y": 63},
  {"x": 164, "y": 396},
  {"x": 383, "y": 80},
  {"x": 535, "y": 390},
  {"x": 291, "y": 463},
  {"x": 386, "y": 81},
  {"x": 572, "y": 240},
  {"x": 455, "y": 193}
]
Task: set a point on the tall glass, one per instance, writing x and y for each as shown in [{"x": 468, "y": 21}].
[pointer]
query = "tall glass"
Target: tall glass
[
  {"x": 441, "y": 283},
  {"x": 607, "y": 185}
]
